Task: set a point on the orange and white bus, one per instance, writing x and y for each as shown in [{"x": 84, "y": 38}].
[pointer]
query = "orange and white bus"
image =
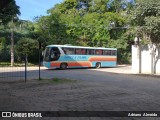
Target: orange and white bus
[{"x": 68, "y": 56}]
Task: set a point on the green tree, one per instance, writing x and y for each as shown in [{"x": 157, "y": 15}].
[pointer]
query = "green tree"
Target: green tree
[
  {"x": 26, "y": 46},
  {"x": 8, "y": 9},
  {"x": 86, "y": 23},
  {"x": 146, "y": 18}
]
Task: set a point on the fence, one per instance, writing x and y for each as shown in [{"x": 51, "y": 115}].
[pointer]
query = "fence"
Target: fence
[
  {"x": 11, "y": 72},
  {"x": 19, "y": 70}
]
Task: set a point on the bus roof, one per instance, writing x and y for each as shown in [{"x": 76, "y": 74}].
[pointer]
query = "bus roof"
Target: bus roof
[{"x": 71, "y": 46}]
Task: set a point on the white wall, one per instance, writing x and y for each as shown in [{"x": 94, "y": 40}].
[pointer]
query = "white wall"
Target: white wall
[{"x": 145, "y": 60}]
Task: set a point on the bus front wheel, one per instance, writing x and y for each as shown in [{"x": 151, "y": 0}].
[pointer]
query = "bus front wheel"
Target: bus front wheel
[
  {"x": 63, "y": 66},
  {"x": 98, "y": 65}
]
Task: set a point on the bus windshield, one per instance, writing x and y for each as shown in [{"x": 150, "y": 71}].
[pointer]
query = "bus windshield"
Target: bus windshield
[
  {"x": 47, "y": 54},
  {"x": 51, "y": 54}
]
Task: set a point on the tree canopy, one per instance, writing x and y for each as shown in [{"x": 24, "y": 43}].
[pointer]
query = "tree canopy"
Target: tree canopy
[
  {"x": 8, "y": 10},
  {"x": 101, "y": 23},
  {"x": 146, "y": 16}
]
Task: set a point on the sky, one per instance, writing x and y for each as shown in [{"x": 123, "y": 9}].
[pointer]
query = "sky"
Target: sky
[{"x": 33, "y": 8}]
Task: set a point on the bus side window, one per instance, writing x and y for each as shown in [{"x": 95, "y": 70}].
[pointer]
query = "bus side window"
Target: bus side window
[
  {"x": 64, "y": 50},
  {"x": 68, "y": 51},
  {"x": 90, "y": 52},
  {"x": 113, "y": 52},
  {"x": 109, "y": 52},
  {"x": 98, "y": 52},
  {"x": 106, "y": 52},
  {"x": 87, "y": 51},
  {"x": 71, "y": 51},
  {"x": 83, "y": 51},
  {"x": 78, "y": 51}
]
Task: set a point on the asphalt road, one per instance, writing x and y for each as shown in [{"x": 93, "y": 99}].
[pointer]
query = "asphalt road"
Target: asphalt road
[{"x": 95, "y": 90}]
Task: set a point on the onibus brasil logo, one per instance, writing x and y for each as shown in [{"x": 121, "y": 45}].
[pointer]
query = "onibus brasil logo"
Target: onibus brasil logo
[{"x": 21, "y": 114}]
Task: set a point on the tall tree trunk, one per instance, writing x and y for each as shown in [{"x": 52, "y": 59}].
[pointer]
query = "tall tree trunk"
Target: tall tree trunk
[{"x": 12, "y": 44}]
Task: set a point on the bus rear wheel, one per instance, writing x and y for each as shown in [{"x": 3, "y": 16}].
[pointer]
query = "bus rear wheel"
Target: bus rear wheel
[
  {"x": 63, "y": 66},
  {"x": 98, "y": 65}
]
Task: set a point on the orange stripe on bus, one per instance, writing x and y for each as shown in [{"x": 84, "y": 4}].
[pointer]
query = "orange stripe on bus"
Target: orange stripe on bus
[
  {"x": 55, "y": 64},
  {"x": 83, "y": 64},
  {"x": 102, "y": 59},
  {"x": 71, "y": 64}
]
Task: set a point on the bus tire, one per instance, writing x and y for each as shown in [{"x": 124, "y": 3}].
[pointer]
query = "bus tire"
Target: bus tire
[
  {"x": 98, "y": 65},
  {"x": 63, "y": 66}
]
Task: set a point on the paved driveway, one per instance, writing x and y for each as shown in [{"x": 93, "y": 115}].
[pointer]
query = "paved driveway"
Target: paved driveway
[{"x": 94, "y": 90}]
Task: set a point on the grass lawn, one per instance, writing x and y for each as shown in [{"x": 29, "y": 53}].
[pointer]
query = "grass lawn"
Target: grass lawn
[{"x": 16, "y": 64}]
